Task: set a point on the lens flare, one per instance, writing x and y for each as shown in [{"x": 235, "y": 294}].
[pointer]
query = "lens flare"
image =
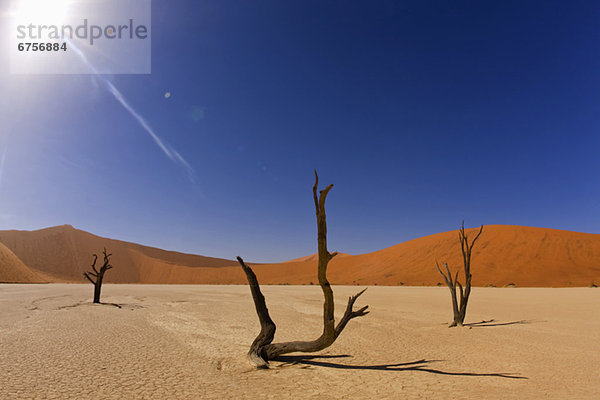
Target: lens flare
[
  {"x": 51, "y": 12},
  {"x": 165, "y": 147}
]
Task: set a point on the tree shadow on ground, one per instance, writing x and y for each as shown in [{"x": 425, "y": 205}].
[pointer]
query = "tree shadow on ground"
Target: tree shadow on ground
[
  {"x": 493, "y": 322},
  {"x": 420, "y": 365},
  {"x": 111, "y": 304},
  {"x": 87, "y": 303},
  {"x": 126, "y": 306}
]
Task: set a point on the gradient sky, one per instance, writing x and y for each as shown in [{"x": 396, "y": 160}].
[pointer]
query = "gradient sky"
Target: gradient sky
[{"x": 421, "y": 113}]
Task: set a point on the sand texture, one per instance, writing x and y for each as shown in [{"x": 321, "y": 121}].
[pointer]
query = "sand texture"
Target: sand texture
[
  {"x": 189, "y": 342},
  {"x": 12, "y": 269},
  {"x": 524, "y": 256}
]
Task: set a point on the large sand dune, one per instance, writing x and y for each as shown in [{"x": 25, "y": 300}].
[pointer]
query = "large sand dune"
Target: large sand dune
[
  {"x": 64, "y": 253},
  {"x": 314, "y": 257},
  {"x": 503, "y": 255},
  {"x": 190, "y": 342},
  {"x": 13, "y": 270}
]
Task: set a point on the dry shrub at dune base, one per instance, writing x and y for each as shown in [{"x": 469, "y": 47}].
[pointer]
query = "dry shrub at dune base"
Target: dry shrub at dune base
[
  {"x": 459, "y": 306},
  {"x": 96, "y": 276}
]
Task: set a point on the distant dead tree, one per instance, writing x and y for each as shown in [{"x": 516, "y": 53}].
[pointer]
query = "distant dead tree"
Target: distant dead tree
[
  {"x": 98, "y": 274},
  {"x": 459, "y": 307},
  {"x": 262, "y": 350}
]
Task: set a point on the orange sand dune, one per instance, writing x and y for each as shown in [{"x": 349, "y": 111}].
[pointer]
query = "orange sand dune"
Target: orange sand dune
[
  {"x": 12, "y": 270},
  {"x": 63, "y": 253},
  {"x": 313, "y": 257},
  {"x": 503, "y": 255}
]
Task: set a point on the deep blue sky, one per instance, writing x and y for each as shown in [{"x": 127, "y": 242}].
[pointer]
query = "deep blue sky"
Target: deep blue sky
[{"x": 421, "y": 113}]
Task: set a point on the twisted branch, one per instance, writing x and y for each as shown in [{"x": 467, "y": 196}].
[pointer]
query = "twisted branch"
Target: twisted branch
[{"x": 262, "y": 350}]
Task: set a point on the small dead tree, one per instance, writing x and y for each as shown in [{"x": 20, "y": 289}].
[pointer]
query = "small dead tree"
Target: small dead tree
[
  {"x": 262, "y": 350},
  {"x": 459, "y": 306},
  {"x": 98, "y": 275}
]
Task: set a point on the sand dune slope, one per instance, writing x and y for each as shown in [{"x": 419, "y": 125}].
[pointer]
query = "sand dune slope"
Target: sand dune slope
[
  {"x": 314, "y": 257},
  {"x": 64, "y": 253},
  {"x": 503, "y": 254},
  {"x": 13, "y": 270}
]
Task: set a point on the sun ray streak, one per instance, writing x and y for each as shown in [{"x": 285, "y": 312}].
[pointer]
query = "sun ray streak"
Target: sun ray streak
[{"x": 167, "y": 149}]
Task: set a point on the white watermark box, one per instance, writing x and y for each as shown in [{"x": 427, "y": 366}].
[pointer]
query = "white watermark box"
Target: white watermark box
[{"x": 80, "y": 37}]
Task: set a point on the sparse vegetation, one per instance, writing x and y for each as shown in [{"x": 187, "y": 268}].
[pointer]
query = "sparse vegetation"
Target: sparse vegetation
[
  {"x": 459, "y": 307},
  {"x": 262, "y": 350},
  {"x": 96, "y": 276}
]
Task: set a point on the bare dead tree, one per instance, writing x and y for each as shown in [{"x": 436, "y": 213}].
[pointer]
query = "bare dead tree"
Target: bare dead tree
[
  {"x": 98, "y": 275},
  {"x": 262, "y": 349},
  {"x": 459, "y": 306}
]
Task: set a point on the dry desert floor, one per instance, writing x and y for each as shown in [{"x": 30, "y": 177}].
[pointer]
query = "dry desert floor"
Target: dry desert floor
[{"x": 189, "y": 342}]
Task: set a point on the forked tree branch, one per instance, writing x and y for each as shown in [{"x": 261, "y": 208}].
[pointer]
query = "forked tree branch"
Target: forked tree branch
[
  {"x": 262, "y": 349},
  {"x": 88, "y": 277},
  {"x": 98, "y": 274},
  {"x": 459, "y": 306}
]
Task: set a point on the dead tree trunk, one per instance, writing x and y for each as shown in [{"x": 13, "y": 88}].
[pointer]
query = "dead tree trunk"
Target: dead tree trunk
[
  {"x": 459, "y": 306},
  {"x": 98, "y": 274},
  {"x": 262, "y": 350}
]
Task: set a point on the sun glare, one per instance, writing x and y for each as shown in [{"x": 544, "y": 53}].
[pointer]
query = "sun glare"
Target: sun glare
[{"x": 49, "y": 12}]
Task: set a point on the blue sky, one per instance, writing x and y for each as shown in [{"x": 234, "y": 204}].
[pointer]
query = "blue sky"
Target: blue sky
[{"x": 421, "y": 114}]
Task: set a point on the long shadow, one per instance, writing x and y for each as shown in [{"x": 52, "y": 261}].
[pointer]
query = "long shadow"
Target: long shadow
[
  {"x": 112, "y": 304},
  {"x": 419, "y": 365},
  {"x": 492, "y": 322},
  {"x": 87, "y": 303}
]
